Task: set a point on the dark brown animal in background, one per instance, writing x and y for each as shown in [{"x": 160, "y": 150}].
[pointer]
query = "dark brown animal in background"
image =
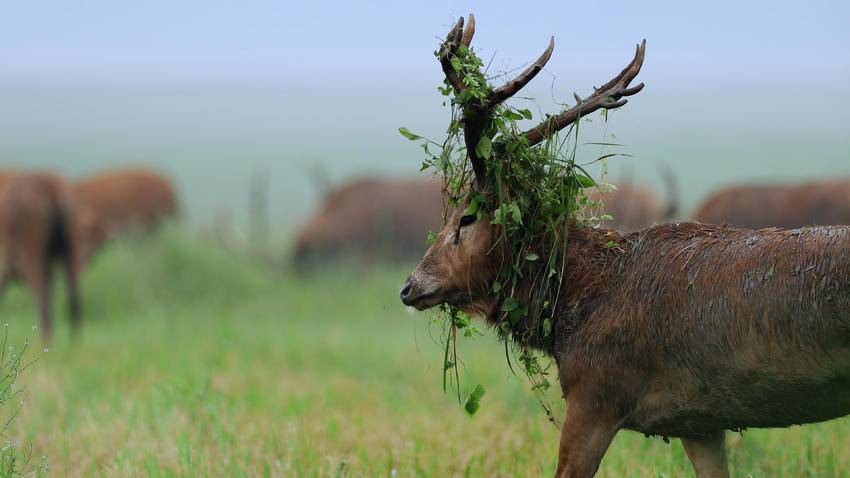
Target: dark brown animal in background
[
  {"x": 371, "y": 219},
  {"x": 680, "y": 330},
  {"x": 633, "y": 206},
  {"x": 784, "y": 206},
  {"x": 5, "y": 176},
  {"x": 36, "y": 219},
  {"x": 122, "y": 201}
]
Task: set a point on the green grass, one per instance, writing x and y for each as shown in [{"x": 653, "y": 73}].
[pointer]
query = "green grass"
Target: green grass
[{"x": 196, "y": 363}]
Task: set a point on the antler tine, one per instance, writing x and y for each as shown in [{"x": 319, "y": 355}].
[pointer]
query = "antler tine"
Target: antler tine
[
  {"x": 468, "y": 32},
  {"x": 630, "y": 71},
  {"x": 447, "y": 49},
  {"x": 510, "y": 88},
  {"x": 609, "y": 96}
]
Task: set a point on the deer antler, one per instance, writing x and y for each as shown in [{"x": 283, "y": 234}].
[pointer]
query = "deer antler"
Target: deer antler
[
  {"x": 510, "y": 88},
  {"x": 609, "y": 96},
  {"x": 457, "y": 36},
  {"x": 476, "y": 116}
]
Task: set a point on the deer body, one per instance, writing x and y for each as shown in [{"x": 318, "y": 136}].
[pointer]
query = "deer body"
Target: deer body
[
  {"x": 128, "y": 199},
  {"x": 36, "y": 232},
  {"x": 728, "y": 329},
  {"x": 821, "y": 203}
]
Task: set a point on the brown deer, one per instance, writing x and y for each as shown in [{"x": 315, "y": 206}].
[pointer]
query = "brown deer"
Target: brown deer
[
  {"x": 128, "y": 198},
  {"x": 122, "y": 200},
  {"x": 679, "y": 330},
  {"x": 36, "y": 232},
  {"x": 371, "y": 219},
  {"x": 633, "y": 206},
  {"x": 821, "y": 203}
]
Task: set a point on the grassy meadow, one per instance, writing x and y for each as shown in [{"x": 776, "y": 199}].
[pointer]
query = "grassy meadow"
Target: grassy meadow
[{"x": 193, "y": 362}]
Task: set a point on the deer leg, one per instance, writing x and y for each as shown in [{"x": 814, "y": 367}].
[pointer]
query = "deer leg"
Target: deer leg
[
  {"x": 708, "y": 455},
  {"x": 72, "y": 277},
  {"x": 585, "y": 437},
  {"x": 37, "y": 276},
  {"x": 5, "y": 278}
]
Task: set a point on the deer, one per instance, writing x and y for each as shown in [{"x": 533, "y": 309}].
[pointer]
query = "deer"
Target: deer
[
  {"x": 816, "y": 203},
  {"x": 679, "y": 330},
  {"x": 370, "y": 219},
  {"x": 125, "y": 199},
  {"x": 37, "y": 231},
  {"x": 632, "y": 206}
]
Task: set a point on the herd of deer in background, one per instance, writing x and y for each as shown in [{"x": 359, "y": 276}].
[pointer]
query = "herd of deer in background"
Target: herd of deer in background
[
  {"x": 46, "y": 221},
  {"x": 368, "y": 220}
]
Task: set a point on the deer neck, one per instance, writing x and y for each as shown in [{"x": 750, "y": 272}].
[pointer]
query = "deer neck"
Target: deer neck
[{"x": 592, "y": 259}]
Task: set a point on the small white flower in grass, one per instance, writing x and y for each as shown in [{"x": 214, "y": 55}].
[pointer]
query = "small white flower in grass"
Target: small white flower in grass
[
  {"x": 33, "y": 327},
  {"x": 46, "y": 349}
]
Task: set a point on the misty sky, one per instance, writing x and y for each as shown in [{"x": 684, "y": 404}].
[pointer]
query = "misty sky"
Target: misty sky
[
  {"x": 162, "y": 40},
  {"x": 212, "y": 92}
]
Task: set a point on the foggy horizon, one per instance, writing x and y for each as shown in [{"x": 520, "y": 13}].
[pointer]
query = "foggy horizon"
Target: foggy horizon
[{"x": 212, "y": 92}]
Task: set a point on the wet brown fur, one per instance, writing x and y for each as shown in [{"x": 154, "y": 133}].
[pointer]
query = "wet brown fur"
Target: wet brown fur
[
  {"x": 786, "y": 206},
  {"x": 681, "y": 330},
  {"x": 36, "y": 217}
]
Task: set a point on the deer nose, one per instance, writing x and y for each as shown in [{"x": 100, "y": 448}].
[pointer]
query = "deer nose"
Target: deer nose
[{"x": 405, "y": 291}]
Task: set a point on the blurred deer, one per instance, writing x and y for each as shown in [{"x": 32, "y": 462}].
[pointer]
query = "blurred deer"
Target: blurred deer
[
  {"x": 371, "y": 219},
  {"x": 36, "y": 233},
  {"x": 121, "y": 201},
  {"x": 822, "y": 203}
]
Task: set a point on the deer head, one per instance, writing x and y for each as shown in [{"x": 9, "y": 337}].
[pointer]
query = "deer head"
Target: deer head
[{"x": 464, "y": 260}]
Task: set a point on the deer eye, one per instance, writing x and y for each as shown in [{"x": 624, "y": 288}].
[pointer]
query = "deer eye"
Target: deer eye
[{"x": 467, "y": 220}]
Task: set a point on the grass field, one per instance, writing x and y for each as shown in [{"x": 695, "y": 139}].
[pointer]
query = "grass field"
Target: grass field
[{"x": 196, "y": 363}]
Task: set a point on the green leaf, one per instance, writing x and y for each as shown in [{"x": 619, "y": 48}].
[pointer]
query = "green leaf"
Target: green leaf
[
  {"x": 510, "y": 304},
  {"x": 473, "y": 206},
  {"x": 431, "y": 238},
  {"x": 478, "y": 393},
  {"x": 585, "y": 181},
  {"x": 484, "y": 148},
  {"x": 497, "y": 286},
  {"x": 511, "y": 115},
  {"x": 532, "y": 257},
  {"x": 407, "y": 134},
  {"x": 516, "y": 214},
  {"x": 473, "y": 403},
  {"x": 455, "y": 61},
  {"x": 525, "y": 113},
  {"x": 516, "y": 314},
  {"x": 499, "y": 215}
]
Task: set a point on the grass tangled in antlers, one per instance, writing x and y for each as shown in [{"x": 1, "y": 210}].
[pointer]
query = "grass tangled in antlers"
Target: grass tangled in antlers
[{"x": 539, "y": 190}]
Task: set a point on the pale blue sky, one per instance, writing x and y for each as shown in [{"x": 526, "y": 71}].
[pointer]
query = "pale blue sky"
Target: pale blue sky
[{"x": 164, "y": 40}]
